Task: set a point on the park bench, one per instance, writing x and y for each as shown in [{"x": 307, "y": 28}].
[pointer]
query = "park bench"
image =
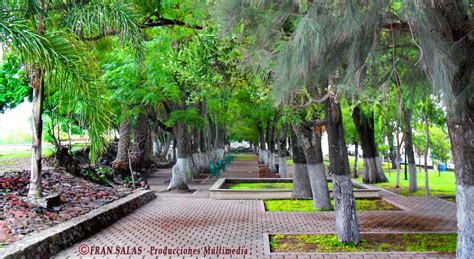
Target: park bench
[
  {"x": 215, "y": 171},
  {"x": 222, "y": 165},
  {"x": 228, "y": 158}
]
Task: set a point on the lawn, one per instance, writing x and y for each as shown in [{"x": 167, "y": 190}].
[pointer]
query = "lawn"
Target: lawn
[
  {"x": 443, "y": 185},
  {"x": 245, "y": 157},
  {"x": 323, "y": 243},
  {"x": 10, "y": 154},
  {"x": 265, "y": 186},
  {"x": 307, "y": 205},
  {"x": 290, "y": 162},
  {"x": 385, "y": 165},
  {"x": 24, "y": 151},
  {"x": 261, "y": 186}
]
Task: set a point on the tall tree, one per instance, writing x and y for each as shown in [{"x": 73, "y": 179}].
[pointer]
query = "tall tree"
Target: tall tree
[
  {"x": 364, "y": 124},
  {"x": 301, "y": 181},
  {"x": 64, "y": 61},
  {"x": 283, "y": 151}
]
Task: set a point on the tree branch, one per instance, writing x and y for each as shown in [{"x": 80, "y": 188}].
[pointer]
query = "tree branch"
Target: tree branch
[
  {"x": 314, "y": 101},
  {"x": 158, "y": 23},
  {"x": 168, "y": 22},
  {"x": 313, "y": 123},
  {"x": 163, "y": 126}
]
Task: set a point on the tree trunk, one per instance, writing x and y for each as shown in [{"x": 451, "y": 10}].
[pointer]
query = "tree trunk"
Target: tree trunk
[
  {"x": 149, "y": 146},
  {"x": 456, "y": 26},
  {"x": 180, "y": 171},
  {"x": 165, "y": 148},
  {"x": 139, "y": 147},
  {"x": 120, "y": 165},
  {"x": 203, "y": 146},
  {"x": 261, "y": 139},
  {"x": 407, "y": 112},
  {"x": 347, "y": 226},
  {"x": 266, "y": 153},
  {"x": 366, "y": 130},
  {"x": 392, "y": 150},
  {"x": 271, "y": 148},
  {"x": 155, "y": 143},
  {"x": 419, "y": 162},
  {"x": 219, "y": 142},
  {"x": 311, "y": 144},
  {"x": 427, "y": 131},
  {"x": 461, "y": 133},
  {"x": 37, "y": 83},
  {"x": 195, "y": 156},
  {"x": 398, "y": 159},
  {"x": 283, "y": 152},
  {"x": 301, "y": 182},
  {"x": 356, "y": 160}
]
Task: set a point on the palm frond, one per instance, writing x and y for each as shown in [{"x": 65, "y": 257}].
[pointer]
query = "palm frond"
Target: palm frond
[
  {"x": 16, "y": 34},
  {"x": 75, "y": 75},
  {"x": 68, "y": 64},
  {"x": 102, "y": 18}
]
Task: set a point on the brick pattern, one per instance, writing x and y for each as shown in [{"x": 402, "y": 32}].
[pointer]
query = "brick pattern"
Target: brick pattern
[{"x": 177, "y": 220}]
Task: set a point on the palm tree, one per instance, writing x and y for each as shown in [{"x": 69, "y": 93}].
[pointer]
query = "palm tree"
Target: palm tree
[{"x": 56, "y": 57}]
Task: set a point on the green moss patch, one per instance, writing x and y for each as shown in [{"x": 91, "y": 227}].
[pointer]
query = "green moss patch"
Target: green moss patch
[
  {"x": 323, "y": 243},
  {"x": 261, "y": 186},
  {"x": 265, "y": 186},
  {"x": 245, "y": 157},
  {"x": 307, "y": 205}
]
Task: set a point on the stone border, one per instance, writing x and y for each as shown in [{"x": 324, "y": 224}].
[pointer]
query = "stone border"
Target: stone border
[
  {"x": 48, "y": 242},
  {"x": 267, "y": 251},
  {"x": 218, "y": 192}
]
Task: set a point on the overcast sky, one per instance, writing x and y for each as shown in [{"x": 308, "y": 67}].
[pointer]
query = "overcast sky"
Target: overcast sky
[{"x": 16, "y": 120}]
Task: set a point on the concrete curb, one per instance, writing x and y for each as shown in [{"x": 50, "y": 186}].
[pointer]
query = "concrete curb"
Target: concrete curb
[{"x": 48, "y": 242}]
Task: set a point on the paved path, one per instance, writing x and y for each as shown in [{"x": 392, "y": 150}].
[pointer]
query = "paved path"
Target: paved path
[{"x": 194, "y": 221}]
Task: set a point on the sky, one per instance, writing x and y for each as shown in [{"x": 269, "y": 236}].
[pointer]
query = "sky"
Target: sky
[{"x": 16, "y": 120}]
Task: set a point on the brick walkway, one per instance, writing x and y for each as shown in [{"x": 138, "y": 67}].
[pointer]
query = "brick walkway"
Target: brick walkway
[{"x": 195, "y": 221}]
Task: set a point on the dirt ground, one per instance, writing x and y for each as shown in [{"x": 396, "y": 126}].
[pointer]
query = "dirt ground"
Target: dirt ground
[{"x": 14, "y": 164}]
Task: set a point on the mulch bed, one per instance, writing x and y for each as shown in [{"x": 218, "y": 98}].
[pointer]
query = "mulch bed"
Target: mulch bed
[
  {"x": 264, "y": 172},
  {"x": 19, "y": 217}
]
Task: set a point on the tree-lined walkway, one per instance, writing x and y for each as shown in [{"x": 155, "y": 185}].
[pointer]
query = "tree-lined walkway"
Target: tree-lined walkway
[
  {"x": 237, "y": 169},
  {"x": 195, "y": 221}
]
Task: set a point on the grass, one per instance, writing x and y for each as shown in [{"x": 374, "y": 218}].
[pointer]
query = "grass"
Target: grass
[
  {"x": 16, "y": 153},
  {"x": 245, "y": 157},
  {"x": 265, "y": 186},
  {"x": 11, "y": 154},
  {"x": 445, "y": 243},
  {"x": 261, "y": 186},
  {"x": 290, "y": 162},
  {"x": 24, "y": 152},
  {"x": 307, "y": 205},
  {"x": 443, "y": 185}
]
